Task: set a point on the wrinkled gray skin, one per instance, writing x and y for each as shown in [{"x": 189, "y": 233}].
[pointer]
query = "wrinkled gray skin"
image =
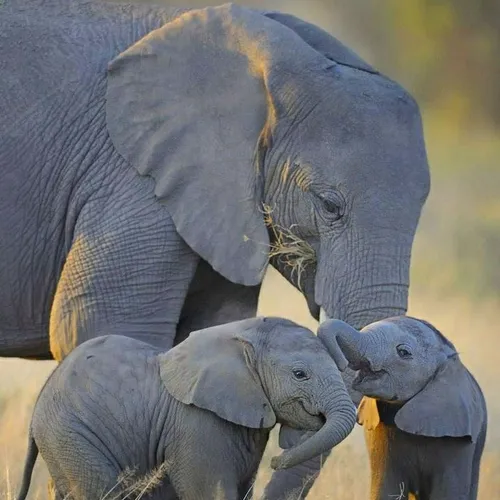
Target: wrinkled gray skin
[
  {"x": 424, "y": 413},
  {"x": 205, "y": 408},
  {"x": 137, "y": 155}
]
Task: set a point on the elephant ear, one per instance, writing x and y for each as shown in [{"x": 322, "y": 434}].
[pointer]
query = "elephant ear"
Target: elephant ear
[
  {"x": 186, "y": 105},
  {"x": 214, "y": 369},
  {"x": 322, "y": 41},
  {"x": 450, "y": 405},
  {"x": 368, "y": 415},
  {"x": 193, "y": 104}
]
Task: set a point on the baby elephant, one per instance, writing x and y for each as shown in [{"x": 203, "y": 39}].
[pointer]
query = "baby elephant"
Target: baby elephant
[
  {"x": 202, "y": 411},
  {"x": 426, "y": 424}
]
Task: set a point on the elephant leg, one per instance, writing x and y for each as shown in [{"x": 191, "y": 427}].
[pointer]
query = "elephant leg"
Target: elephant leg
[
  {"x": 452, "y": 484},
  {"x": 451, "y": 489},
  {"x": 126, "y": 273},
  {"x": 165, "y": 492},
  {"x": 294, "y": 483},
  {"x": 198, "y": 486},
  {"x": 476, "y": 463},
  {"x": 245, "y": 490},
  {"x": 25, "y": 343},
  {"x": 213, "y": 300},
  {"x": 389, "y": 485},
  {"x": 85, "y": 474}
]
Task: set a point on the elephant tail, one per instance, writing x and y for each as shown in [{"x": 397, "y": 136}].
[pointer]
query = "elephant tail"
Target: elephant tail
[{"x": 29, "y": 464}]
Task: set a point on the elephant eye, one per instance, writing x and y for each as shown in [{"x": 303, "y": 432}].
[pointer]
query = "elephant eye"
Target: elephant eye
[
  {"x": 300, "y": 374},
  {"x": 403, "y": 351},
  {"x": 333, "y": 205}
]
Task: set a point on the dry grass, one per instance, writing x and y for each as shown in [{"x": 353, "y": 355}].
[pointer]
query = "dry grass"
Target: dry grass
[
  {"x": 290, "y": 250},
  {"x": 345, "y": 475},
  {"x": 134, "y": 487}
]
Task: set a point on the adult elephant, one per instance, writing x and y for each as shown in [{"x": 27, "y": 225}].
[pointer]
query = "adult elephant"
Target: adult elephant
[{"x": 154, "y": 161}]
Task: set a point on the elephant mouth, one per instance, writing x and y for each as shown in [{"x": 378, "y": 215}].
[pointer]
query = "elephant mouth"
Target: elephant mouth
[
  {"x": 317, "y": 416},
  {"x": 366, "y": 374},
  {"x": 314, "y": 420}
]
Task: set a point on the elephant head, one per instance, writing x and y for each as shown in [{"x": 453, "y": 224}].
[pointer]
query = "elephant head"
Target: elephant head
[
  {"x": 263, "y": 371},
  {"x": 270, "y": 141},
  {"x": 409, "y": 364}
]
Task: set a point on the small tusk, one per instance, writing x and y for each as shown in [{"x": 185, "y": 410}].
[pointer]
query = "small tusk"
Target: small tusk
[{"x": 322, "y": 316}]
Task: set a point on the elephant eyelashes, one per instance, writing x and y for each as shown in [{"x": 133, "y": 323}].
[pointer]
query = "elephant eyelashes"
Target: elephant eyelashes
[
  {"x": 403, "y": 352},
  {"x": 300, "y": 374}
]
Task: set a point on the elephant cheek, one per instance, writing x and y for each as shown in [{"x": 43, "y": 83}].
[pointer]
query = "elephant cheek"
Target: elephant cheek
[{"x": 377, "y": 389}]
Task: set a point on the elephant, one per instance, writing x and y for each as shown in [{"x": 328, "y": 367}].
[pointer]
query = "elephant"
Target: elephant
[
  {"x": 423, "y": 412},
  {"x": 155, "y": 161},
  {"x": 202, "y": 410}
]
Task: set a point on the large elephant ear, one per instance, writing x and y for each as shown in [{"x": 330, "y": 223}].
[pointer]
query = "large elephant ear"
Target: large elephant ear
[
  {"x": 450, "y": 405},
  {"x": 214, "y": 369},
  {"x": 186, "y": 105},
  {"x": 193, "y": 104},
  {"x": 322, "y": 41}
]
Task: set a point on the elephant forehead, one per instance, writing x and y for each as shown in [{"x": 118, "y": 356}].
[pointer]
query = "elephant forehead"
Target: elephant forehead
[
  {"x": 427, "y": 334},
  {"x": 414, "y": 327},
  {"x": 361, "y": 132},
  {"x": 297, "y": 340},
  {"x": 401, "y": 327},
  {"x": 388, "y": 326}
]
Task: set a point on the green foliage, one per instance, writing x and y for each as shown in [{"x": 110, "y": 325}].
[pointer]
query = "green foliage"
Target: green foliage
[{"x": 458, "y": 241}]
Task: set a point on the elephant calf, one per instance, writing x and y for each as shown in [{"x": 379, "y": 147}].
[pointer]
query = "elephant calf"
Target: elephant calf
[
  {"x": 423, "y": 412},
  {"x": 202, "y": 410}
]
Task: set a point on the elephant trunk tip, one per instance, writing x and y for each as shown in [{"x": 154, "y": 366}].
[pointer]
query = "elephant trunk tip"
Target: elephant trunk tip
[
  {"x": 343, "y": 342},
  {"x": 337, "y": 427}
]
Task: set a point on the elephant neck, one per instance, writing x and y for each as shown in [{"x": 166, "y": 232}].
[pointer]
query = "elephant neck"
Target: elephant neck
[{"x": 387, "y": 412}]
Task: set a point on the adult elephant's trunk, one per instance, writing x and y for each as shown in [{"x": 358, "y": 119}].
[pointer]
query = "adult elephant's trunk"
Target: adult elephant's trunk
[
  {"x": 340, "y": 414},
  {"x": 365, "y": 286}
]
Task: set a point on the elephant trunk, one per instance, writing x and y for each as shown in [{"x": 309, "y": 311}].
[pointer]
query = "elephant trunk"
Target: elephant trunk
[
  {"x": 340, "y": 414},
  {"x": 339, "y": 336},
  {"x": 378, "y": 287},
  {"x": 363, "y": 318}
]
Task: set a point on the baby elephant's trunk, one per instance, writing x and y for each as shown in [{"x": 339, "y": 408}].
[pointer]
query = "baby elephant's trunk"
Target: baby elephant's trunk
[
  {"x": 343, "y": 342},
  {"x": 29, "y": 464},
  {"x": 340, "y": 414}
]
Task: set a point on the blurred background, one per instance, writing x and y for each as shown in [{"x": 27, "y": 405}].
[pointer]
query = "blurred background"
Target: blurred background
[{"x": 446, "y": 53}]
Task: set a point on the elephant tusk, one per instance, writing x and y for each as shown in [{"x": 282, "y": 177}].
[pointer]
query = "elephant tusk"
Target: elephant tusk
[{"x": 323, "y": 316}]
